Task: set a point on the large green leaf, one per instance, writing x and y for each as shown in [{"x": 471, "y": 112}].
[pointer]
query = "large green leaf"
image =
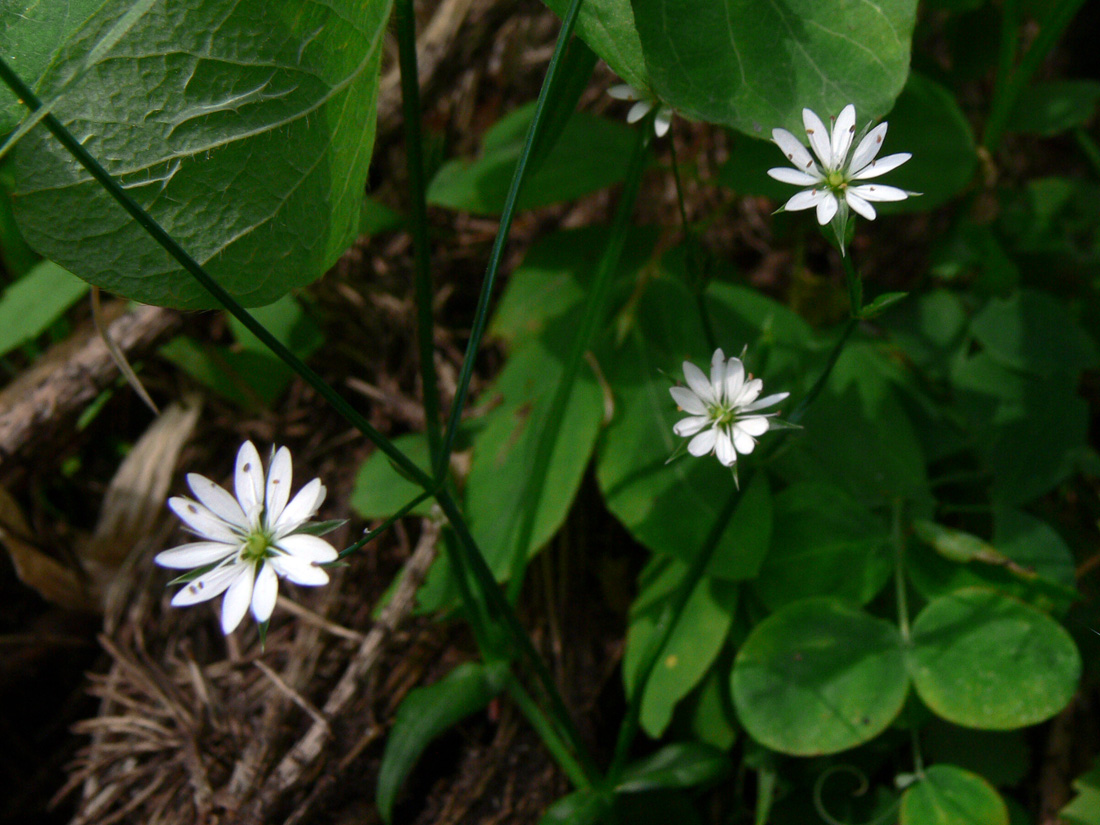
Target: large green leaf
[
  {"x": 946, "y": 795},
  {"x": 696, "y": 638},
  {"x": 31, "y": 304},
  {"x": 1034, "y": 332},
  {"x": 819, "y": 676},
  {"x": 426, "y": 713},
  {"x": 825, "y": 543},
  {"x": 679, "y": 765},
  {"x": 984, "y": 660},
  {"x": 754, "y": 66},
  {"x": 246, "y": 131}
]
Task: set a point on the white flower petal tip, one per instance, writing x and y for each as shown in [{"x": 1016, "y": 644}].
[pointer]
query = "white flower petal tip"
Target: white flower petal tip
[
  {"x": 248, "y": 542},
  {"x": 724, "y": 415},
  {"x": 832, "y": 173},
  {"x": 645, "y": 102}
]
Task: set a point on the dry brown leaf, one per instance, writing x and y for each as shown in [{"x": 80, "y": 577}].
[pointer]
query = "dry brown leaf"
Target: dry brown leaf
[
  {"x": 54, "y": 581},
  {"x": 136, "y": 496}
]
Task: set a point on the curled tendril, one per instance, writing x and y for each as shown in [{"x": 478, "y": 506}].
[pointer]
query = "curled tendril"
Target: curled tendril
[{"x": 862, "y": 788}]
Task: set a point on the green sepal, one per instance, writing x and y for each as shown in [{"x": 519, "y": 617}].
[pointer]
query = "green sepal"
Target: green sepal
[
  {"x": 321, "y": 528},
  {"x": 881, "y": 304},
  {"x": 191, "y": 575}
]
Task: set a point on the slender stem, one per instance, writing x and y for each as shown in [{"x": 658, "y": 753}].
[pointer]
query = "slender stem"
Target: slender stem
[
  {"x": 854, "y": 284},
  {"x": 414, "y": 158},
  {"x": 823, "y": 379},
  {"x": 898, "y": 537},
  {"x": 482, "y": 313},
  {"x": 16, "y": 84},
  {"x": 371, "y": 535},
  {"x": 548, "y": 734},
  {"x": 663, "y": 632},
  {"x": 592, "y": 315},
  {"x": 495, "y": 597},
  {"x": 695, "y": 276},
  {"x": 1011, "y": 83}
]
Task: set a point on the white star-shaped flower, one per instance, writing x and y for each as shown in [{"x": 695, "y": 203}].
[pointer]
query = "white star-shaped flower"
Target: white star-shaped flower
[
  {"x": 723, "y": 415},
  {"x": 645, "y": 102},
  {"x": 247, "y": 543},
  {"x": 832, "y": 176}
]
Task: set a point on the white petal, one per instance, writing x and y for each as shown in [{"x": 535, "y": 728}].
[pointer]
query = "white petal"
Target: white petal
[
  {"x": 249, "y": 479},
  {"x": 826, "y": 208},
  {"x": 690, "y": 426},
  {"x": 766, "y": 401},
  {"x": 868, "y": 147},
  {"x": 744, "y": 442},
  {"x": 806, "y": 199},
  {"x": 237, "y": 598},
  {"x": 197, "y": 554},
  {"x": 735, "y": 379},
  {"x": 264, "y": 593},
  {"x": 703, "y": 443},
  {"x": 879, "y": 192},
  {"x": 749, "y": 393},
  {"x": 308, "y": 548},
  {"x": 623, "y": 91},
  {"x": 724, "y": 449},
  {"x": 687, "y": 401},
  {"x": 819, "y": 138},
  {"x": 217, "y": 499},
  {"x": 859, "y": 205},
  {"x": 843, "y": 132},
  {"x": 300, "y": 571},
  {"x": 201, "y": 520},
  {"x": 881, "y": 166},
  {"x": 794, "y": 177},
  {"x": 794, "y": 150},
  {"x": 756, "y": 425},
  {"x": 718, "y": 373},
  {"x": 207, "y": 586},
  {"x": 662, "y": 121},
  {"x": 699, "y": 384},
  {"x": 278, "y": 485},
  {"x": 301, "y": 508},
  {"x": 638, "y": 111}
]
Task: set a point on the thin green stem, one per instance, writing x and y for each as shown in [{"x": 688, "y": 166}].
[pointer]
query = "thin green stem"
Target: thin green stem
[
  {"x": 503, "y": 609},
  {"x": 854, "y": 284},
  {"x": 898, "y": 537},
  {"x": 698, "y": 287},
  {"x": 16, "y": 84},
  {"x": 371, "y": 535},
  {"x": 663, "y": 632},
  {"x": 481, "y": 314},
  {"x": 1011, "y": 82},
  {"x": 548, "y": 734},
  {"x": 823, "y": 379},
  {"x": 592, "y": 316},
  {"x": 414, "y": 158}
]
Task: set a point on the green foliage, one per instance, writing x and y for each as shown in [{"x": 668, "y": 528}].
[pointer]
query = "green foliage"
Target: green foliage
[
  {"x": 247, "y": 373},
  {"x": 716, "y": 61},
  {"x": 590, "y": 153},
  {"x": 30, "y": 305},
  {"x": 1084, "y": 809},
  {"x": 819, "y": 676},
  {"x": 275, "y": 102},
  {"x": 683, "y": 765},
  {"x": 987, "y": 661},
  {"x": 426, "y": 713},
  {"x": 1049, "y": 108},
  {"x": 946, "y": 794}
]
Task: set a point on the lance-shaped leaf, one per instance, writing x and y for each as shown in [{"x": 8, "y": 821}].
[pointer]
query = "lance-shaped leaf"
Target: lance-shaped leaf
[{"x": 245, "y": 130}]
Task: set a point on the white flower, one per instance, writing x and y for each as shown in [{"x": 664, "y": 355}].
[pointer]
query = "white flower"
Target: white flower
[
  {"x": 831, "y": 176},
  {"x": 640, "y": 109},
  {"x": 248, "y": 542},
  {"x": 722, "y": 412}
]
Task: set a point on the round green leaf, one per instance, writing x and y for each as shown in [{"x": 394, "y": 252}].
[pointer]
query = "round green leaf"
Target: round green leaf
[
  {"x": 819, "y": 676},
  {"x": 1034, "y": 332},
  {"x": 947, "y": 795},
  {"x": 984, "y": 660},
  {"x": 245, "y": 130},
  {"x": 754, "y": 66}
]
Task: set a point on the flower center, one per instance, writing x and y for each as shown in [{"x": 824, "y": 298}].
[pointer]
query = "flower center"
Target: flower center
[
  {"x": 723, "y": 416},
  {"x": 256, "y": 546},
  {"x": 836, "y": 180}
]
